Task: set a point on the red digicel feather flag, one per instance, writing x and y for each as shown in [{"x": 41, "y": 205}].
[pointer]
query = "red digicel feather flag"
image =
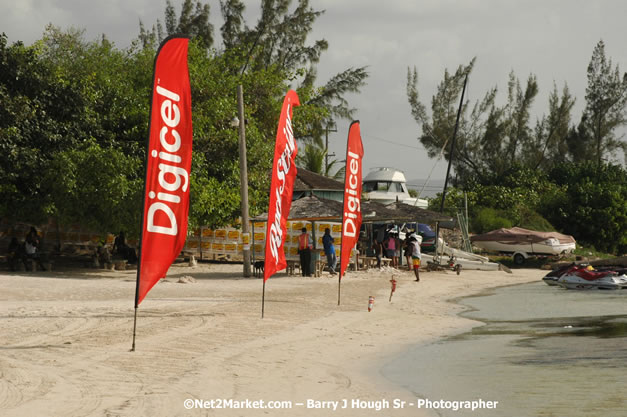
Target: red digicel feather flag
[
  {"x": 351, "y": 216},
  {"x": 281, "y": 189},
  {"x": 169, "y": 157}
]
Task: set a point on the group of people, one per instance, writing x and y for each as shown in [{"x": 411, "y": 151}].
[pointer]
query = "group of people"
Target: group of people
[
  {"x": 391, "y": 246},
  {"x": 29, "y": 250},
  {"x": 305, "y": 246}
]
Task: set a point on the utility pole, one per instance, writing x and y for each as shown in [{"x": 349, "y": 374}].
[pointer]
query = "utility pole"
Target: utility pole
[
  {"x": 243, "y": 170},
  {"x": 326, "y": 148}
]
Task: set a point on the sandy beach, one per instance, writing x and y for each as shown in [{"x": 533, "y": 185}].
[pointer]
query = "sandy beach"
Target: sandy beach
[{"x": 66, "y": 338}]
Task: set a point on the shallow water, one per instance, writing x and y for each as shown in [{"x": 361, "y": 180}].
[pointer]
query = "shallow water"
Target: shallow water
[{"x": 543, "y": 351}]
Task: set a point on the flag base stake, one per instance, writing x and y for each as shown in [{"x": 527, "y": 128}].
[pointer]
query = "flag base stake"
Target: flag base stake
[
  {"x": 339, "y": 287},
  {"x": 134, "y": 329}
]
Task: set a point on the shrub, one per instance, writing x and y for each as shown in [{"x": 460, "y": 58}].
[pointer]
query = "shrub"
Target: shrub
[{"x": 487, "y": 219}]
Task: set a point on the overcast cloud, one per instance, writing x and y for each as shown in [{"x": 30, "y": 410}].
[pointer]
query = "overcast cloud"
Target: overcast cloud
[{"x": 552, "y": 39}]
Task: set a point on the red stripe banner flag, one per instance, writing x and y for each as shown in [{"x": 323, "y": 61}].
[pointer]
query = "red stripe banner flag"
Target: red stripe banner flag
[
  {"x": 169, "y": 157},
  {"x": 281, "y": 188},
  {"x": 351, "y": 215}
]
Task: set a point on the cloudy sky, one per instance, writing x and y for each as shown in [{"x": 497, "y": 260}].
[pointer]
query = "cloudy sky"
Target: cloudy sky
[{"x": 553, "y": 39}]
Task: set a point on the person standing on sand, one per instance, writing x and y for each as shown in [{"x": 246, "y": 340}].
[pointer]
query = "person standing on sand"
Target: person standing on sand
[
  {"x": 398, "y": 252},
  {"x": 304, "y": 250},
  {"x": 407, "y": 250},
  {"x": 415, "y": 255},
  {"x": 391, "y": 249},
  {"x": 378, "y": 251},
  {"x": 15, "y": 253},
  {"x": 329, "y": 250}
]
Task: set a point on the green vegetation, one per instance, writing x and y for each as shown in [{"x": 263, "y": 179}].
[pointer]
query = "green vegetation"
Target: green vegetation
[
  {"x": 74, "y": 114},
  {"x": 551, "y": 176}
]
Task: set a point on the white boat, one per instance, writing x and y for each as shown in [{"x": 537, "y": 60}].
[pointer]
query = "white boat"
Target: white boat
[
  {"x": 523, "y": 243},
  {"x": 388, "y": 185},
  {"x": 581, "y": 278}
]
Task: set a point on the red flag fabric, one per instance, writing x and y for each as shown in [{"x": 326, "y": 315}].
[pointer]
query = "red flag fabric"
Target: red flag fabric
[
  {"x": 351, "y": 215},
  {"x": 281, "y": 188},
  {"x": 169, "y": 157}
]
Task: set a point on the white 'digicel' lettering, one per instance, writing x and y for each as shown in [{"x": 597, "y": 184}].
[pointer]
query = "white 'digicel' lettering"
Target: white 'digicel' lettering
[
  {"x": 171, "y": 178},
  {"x": 354, "y": 202}
]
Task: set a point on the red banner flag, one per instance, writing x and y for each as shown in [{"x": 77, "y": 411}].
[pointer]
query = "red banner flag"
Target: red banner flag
[
  {"x": 169, "y": 157},
  {"x": 283, "y": 176},
  {"x": 351, "y": 215}
]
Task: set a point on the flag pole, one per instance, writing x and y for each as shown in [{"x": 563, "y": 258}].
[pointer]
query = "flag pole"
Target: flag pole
[
  {"x": 339, "y": 284},
  {"x": 141, "y": 225},
  {"x": 263, "y": 298},
  {"x": 139, "y": 263},
  {"x": 134, "y": 330}
]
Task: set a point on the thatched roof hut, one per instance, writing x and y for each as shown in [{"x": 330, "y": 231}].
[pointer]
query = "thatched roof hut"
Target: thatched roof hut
[
  {"x": 418, "y": 214},
  {"x": 313, "y": 208}
]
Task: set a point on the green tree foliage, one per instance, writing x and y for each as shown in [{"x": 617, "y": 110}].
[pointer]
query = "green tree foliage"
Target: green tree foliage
[
  {"x": 63, "y": 93},
  {"x": 267, "y": 59},
  {"x": 193, "y": 21},
  {"x": 40, "y": 114},
  {"x": 94, "y": 186},
  {"x": 489, "y": 130},
  {"x": 606, "y": 97},
  {"x": 73, "y": 108},
  {"x": 484, "y": 130},
  {"x": 512, "y": 171},
  {"x": 312, "y": 158},
  {"x": 549, "y": 144},
  {"x": 590, "y": 204}
]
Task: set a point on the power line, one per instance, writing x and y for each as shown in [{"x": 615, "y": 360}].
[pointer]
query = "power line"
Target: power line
[
  {"x": 389, "y": 141},
  {"x": 394, "y": 143}
]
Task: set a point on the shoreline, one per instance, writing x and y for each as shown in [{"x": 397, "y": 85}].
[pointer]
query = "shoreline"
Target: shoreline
[{"x": 69, "y": 340}]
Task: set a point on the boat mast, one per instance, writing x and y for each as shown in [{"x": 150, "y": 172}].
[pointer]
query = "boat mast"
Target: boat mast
[{"x": 450, "y": 157}]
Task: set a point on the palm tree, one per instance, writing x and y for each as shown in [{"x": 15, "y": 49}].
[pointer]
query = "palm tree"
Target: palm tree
[{"x": 312, "y": 159}]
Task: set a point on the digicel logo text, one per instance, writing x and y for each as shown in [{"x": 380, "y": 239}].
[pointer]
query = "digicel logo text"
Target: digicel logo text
[
  {"x": 354, "y": 204},
  {"x": 282, "y": 169},
  {"x": 172, "y": 178}
]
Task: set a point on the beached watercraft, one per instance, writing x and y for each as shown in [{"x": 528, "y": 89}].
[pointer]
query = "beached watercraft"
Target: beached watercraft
[
  {"x": 552, "y": 277},
  {"x": 523, "y": 243},
  {"x": 582, "y": 278}
]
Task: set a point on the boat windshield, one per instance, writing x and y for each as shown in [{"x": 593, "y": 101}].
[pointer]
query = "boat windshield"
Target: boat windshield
[{"x": 395, "y": 187}]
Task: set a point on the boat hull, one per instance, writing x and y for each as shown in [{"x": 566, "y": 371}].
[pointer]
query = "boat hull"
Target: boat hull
[
  {"x": 466, "y": 263},
  {"x": 530, "y": 248}
]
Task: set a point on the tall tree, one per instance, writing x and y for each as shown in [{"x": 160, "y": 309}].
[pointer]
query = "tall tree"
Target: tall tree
[
  {"x": 312, "y": 158},
  {"x": 549, "y": 143},
  {"x": 232, "y": 13},
  {"x": 518, "y": 110},
  {"x": 437, "y": 129},
  {"x": 606, "y": 98},
  {"x": 193, "y": 21},
  {"x": 267, "y": 58}
]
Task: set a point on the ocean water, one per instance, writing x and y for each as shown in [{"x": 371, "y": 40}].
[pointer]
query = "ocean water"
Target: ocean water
[{"x": 543, "y": 351}]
